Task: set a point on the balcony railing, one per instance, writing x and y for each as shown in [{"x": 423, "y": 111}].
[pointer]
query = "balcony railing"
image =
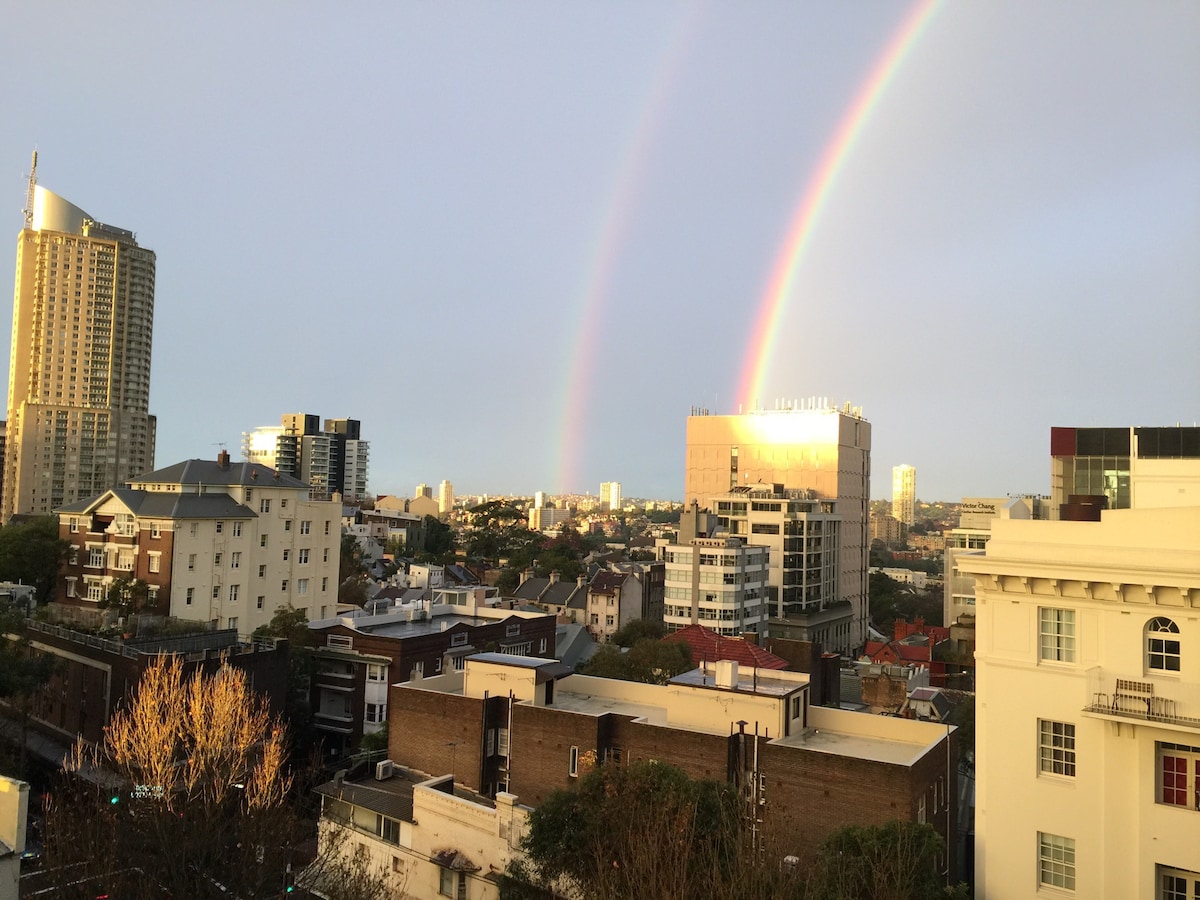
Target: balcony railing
[{"x": 1142, "y": 698}]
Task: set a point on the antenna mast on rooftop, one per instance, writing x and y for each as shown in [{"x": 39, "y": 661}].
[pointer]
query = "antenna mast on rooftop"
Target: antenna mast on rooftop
[{"x": 28, "y": 210}]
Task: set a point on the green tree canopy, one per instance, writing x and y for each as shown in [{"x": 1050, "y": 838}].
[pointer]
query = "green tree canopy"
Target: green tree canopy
[
  {"x": 894, "y": 861},
  {"x": 649, "y": 661},
  {"x": 636, "y": 629},
  {"x": 31, "y": 552}
]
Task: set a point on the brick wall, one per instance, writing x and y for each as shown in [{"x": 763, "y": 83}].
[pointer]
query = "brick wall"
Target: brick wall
[
  {"x": 540, "y": 751},
  {"x": 433, "y": 732}
]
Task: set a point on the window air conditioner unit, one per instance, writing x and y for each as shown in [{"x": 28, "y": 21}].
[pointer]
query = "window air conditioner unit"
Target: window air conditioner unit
[{"x": 384, "y": 769}]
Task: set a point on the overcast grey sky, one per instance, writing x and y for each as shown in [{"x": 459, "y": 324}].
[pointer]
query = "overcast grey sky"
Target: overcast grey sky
[{"x": 519, "y": 240}]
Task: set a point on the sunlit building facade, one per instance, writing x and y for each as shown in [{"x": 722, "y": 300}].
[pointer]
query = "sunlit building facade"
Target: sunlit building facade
[
  {"x": 332, "y": 459},
  {"x": 717, "y": 582},
  {"x": 610, "y": 495},
  {"x": 904, "y": 494},
  {"x": 79, "y": 374},
  {"x": 811, "y": 446}
]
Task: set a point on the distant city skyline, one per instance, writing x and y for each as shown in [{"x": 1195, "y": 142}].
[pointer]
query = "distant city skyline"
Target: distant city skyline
[{"x": 570, "y": 224}]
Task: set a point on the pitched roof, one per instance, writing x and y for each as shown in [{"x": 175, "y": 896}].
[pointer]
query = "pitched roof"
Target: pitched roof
[
  {"x": 893, "y": 651},
  {"x": 560, "y": 594},
  {"x": 209, "y": 471},
  {"x": 607, "y": 582},
  {"x": 531, "y": 588},
  {"x": 706, "y": 644},
  {"x": 167, "y": 505}
]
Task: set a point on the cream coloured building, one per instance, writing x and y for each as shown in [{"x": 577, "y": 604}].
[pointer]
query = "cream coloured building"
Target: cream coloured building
[
  {"x": 1088, "y": 707},
  {"x": 719, "y": 583},
  {"x": 79, "y": 374},
  {"x": 216, "y": 541},
  {"x": 904, "y": 493},
  {"x": 812, "y": 446}
]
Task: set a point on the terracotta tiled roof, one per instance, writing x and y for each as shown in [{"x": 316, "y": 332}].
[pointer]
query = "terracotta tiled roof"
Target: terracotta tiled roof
[{"x": 706, "y": 644}]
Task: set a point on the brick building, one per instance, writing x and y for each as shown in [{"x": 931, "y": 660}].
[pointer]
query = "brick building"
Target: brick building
[
  {"x": 360, "y": 655},
  {"x": 528, "y": 726},
  {"x": 96, "y": 676}
]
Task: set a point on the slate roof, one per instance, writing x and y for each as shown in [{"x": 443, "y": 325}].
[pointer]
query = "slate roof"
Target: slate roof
[
  {"x": 168, "y": 505},
  {"x": 706, "y": 644},
  {"x": 209, "y": 471},
  {"x": 532, "y": 589},
  {"x": 561, "y": 594},
  {"x": 607, "y": 582}
]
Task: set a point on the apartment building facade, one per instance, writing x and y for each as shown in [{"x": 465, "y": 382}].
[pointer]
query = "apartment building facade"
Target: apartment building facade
[
  {"x": 718, "y": 582},
  {"x": 214, "y": 541},
  {"x": 1088, "y": 722},
  {"x": 79, "y": 376}
]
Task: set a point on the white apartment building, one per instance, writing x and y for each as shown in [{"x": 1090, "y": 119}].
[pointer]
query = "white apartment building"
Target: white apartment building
[
  {"x": 717, "y": 582},
  {"x": 610, "y": 495},
  {"x": 1088, "y": 718},
  {"x": 220, "y": 542},
  {"x": 445, "y": 498}
]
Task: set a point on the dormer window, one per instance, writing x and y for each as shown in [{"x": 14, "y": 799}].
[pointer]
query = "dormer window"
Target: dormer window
[{"x": 1162, "y": 645}]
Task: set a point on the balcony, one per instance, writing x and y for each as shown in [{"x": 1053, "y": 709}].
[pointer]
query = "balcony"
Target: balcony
[{"x": 1158, "y": 701}]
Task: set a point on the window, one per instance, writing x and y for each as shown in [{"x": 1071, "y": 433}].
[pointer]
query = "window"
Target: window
[
  {"x": 418, "y": 669},
  {"x": 287, "y": 525},
  {"x": 232, "y": 622},
  {"x": 375, "y": 713},
  {"x": 1178, "y": 884},
  {"x": 305, "y": 527},
  {"x": 376, "y": 672},
  {"x": 73, "y": 556},
  {"x": 95, "y": 591},
  {"x": 235, "y": 560},
  {"x": 262, "y": 570},
  {"x": 284, "y": 585},
  {"x": 1179, "y": 775},
  {"x": 610, "y": 621},
  {"x": 237, "y": 529},
  {"x": 1056, "y": 861},
  {"x": 542, "y": 646},
  {"x": 1162, "y": 645},
  {"x": 264, "y": 505},
  {"x": 259, "y": 602},
  {"x": 96, "y": 558},
  {"x": 216, "y": 592},
  {"x": 301, "y": 585},
  {"x": 459, "y": 639},
  {"x": 324, "y": 584},
  {"x": 195, "y": 528},
  {"x": 216, "y": 559},
  {"x": 283, "y": 503},
  {"x": 1056, "y": 747},
  {"x": 287, "y": 554},
  {"x": 154, "y": 562},
  {"x": 302, "y": 556},
  {"x": 573, "y": 763},
  {"x": 70, "y": 587},
  {"x": 327, "y": 526},
  {"x": 512, "y": 630},
  {"x": 325, "y": 555},
  {"x": 249, "y": 494},
  {"x": 191, "y": 594},
  {"x": 1056, "y": 634},
  {"x": 452, "y": 884},
  {"x": 262, "y": 540},
  {"x": 220, "y": 526},
  {"x": 233, "y": 593},
  {"x": 921, "y": 810},
  {"x": 191, "y": 562},
  {"x": 74, "y": 525},
  {"x": 388, "y": 829}
]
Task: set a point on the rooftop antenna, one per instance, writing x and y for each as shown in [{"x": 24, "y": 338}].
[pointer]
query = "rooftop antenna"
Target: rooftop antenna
[{"x": 28, "y": 210}]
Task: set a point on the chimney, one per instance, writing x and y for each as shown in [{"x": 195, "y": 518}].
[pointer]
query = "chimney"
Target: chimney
[
  {"x": 525, "y": 576},
  {"x": 554, "y": 576},
  {"x": 900, "y": 628},
  {"x": 581, "y": 581},
  {"x": 223, "y": 458}
]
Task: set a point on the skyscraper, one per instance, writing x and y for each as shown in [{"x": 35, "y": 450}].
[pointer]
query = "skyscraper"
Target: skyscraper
[
  {"x": 79, "y": 376},
  {"x": 810, "y": 446},
  {"x": 331, "y": 461},
  {"x": 445, "y": 498},
  {"x": 904, "y": 493},
  {"x": 610, "y": 495}
]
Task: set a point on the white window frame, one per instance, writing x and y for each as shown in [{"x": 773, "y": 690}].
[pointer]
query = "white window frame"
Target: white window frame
[
  {"x": 1163, "y": 647},
  {"x": 237, "y": 529},
  {"x": 376, "y": 672},
  {"x": 1056, "y": 748},
  {"x": 153, "y": 562},
  {"x": 264, "y": 505},
  {"x": 1185, "y": 775},
  {"x": 573, "y": 763},
  {"x": 1056, "y": 861},
  {"x": 1057, "y": 634},
  {"x": 1183, "y": 883}
]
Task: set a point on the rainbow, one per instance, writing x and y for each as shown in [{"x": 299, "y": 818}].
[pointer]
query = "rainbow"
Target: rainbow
[
  {"x": 610, "y": 238},
  {"x": 820, "y": 185}
]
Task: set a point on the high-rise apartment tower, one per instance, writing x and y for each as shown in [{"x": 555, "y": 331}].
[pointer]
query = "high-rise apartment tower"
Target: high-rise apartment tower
[
  {"x": 79, "y": 375},
  {"x": 610, "y": 495},
  {"x": 445, "y": 498},
  {"x": 809, "y": 445},
  {"x": 904, "y": 493}
]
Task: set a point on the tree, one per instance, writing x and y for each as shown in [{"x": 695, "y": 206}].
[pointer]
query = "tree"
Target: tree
[
  {"x": 31, "y": 552},
  {"x": 644, "y": 830},
  {"x": 636, "y": 629},
  {"x": 197, "y": 798},
  {"x": 23, "y": 672},
  {"x": 291, "y": 623},
  {"x": 127, "y": 595},
  {"x": 649, "y": 661},
  {"x": 894, "y": 861}
]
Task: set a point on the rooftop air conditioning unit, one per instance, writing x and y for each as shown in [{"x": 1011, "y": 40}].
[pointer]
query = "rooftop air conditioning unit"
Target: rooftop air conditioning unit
[{"x": 384, "y": 770}]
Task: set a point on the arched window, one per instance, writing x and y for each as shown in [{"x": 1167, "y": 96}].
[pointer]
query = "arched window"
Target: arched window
[{"x": 1162, "y": 645}]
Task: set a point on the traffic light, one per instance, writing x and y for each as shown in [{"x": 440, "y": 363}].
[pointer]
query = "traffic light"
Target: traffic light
[
  {"x": 115, "y": 799},
  {"x": 289, "y": 881}
]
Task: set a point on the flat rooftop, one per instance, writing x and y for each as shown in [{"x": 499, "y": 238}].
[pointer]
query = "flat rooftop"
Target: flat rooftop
[{"x": 874, "y": 748}]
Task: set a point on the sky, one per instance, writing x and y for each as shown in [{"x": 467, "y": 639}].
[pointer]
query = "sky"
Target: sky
[{"x": 520, "y": 240}]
